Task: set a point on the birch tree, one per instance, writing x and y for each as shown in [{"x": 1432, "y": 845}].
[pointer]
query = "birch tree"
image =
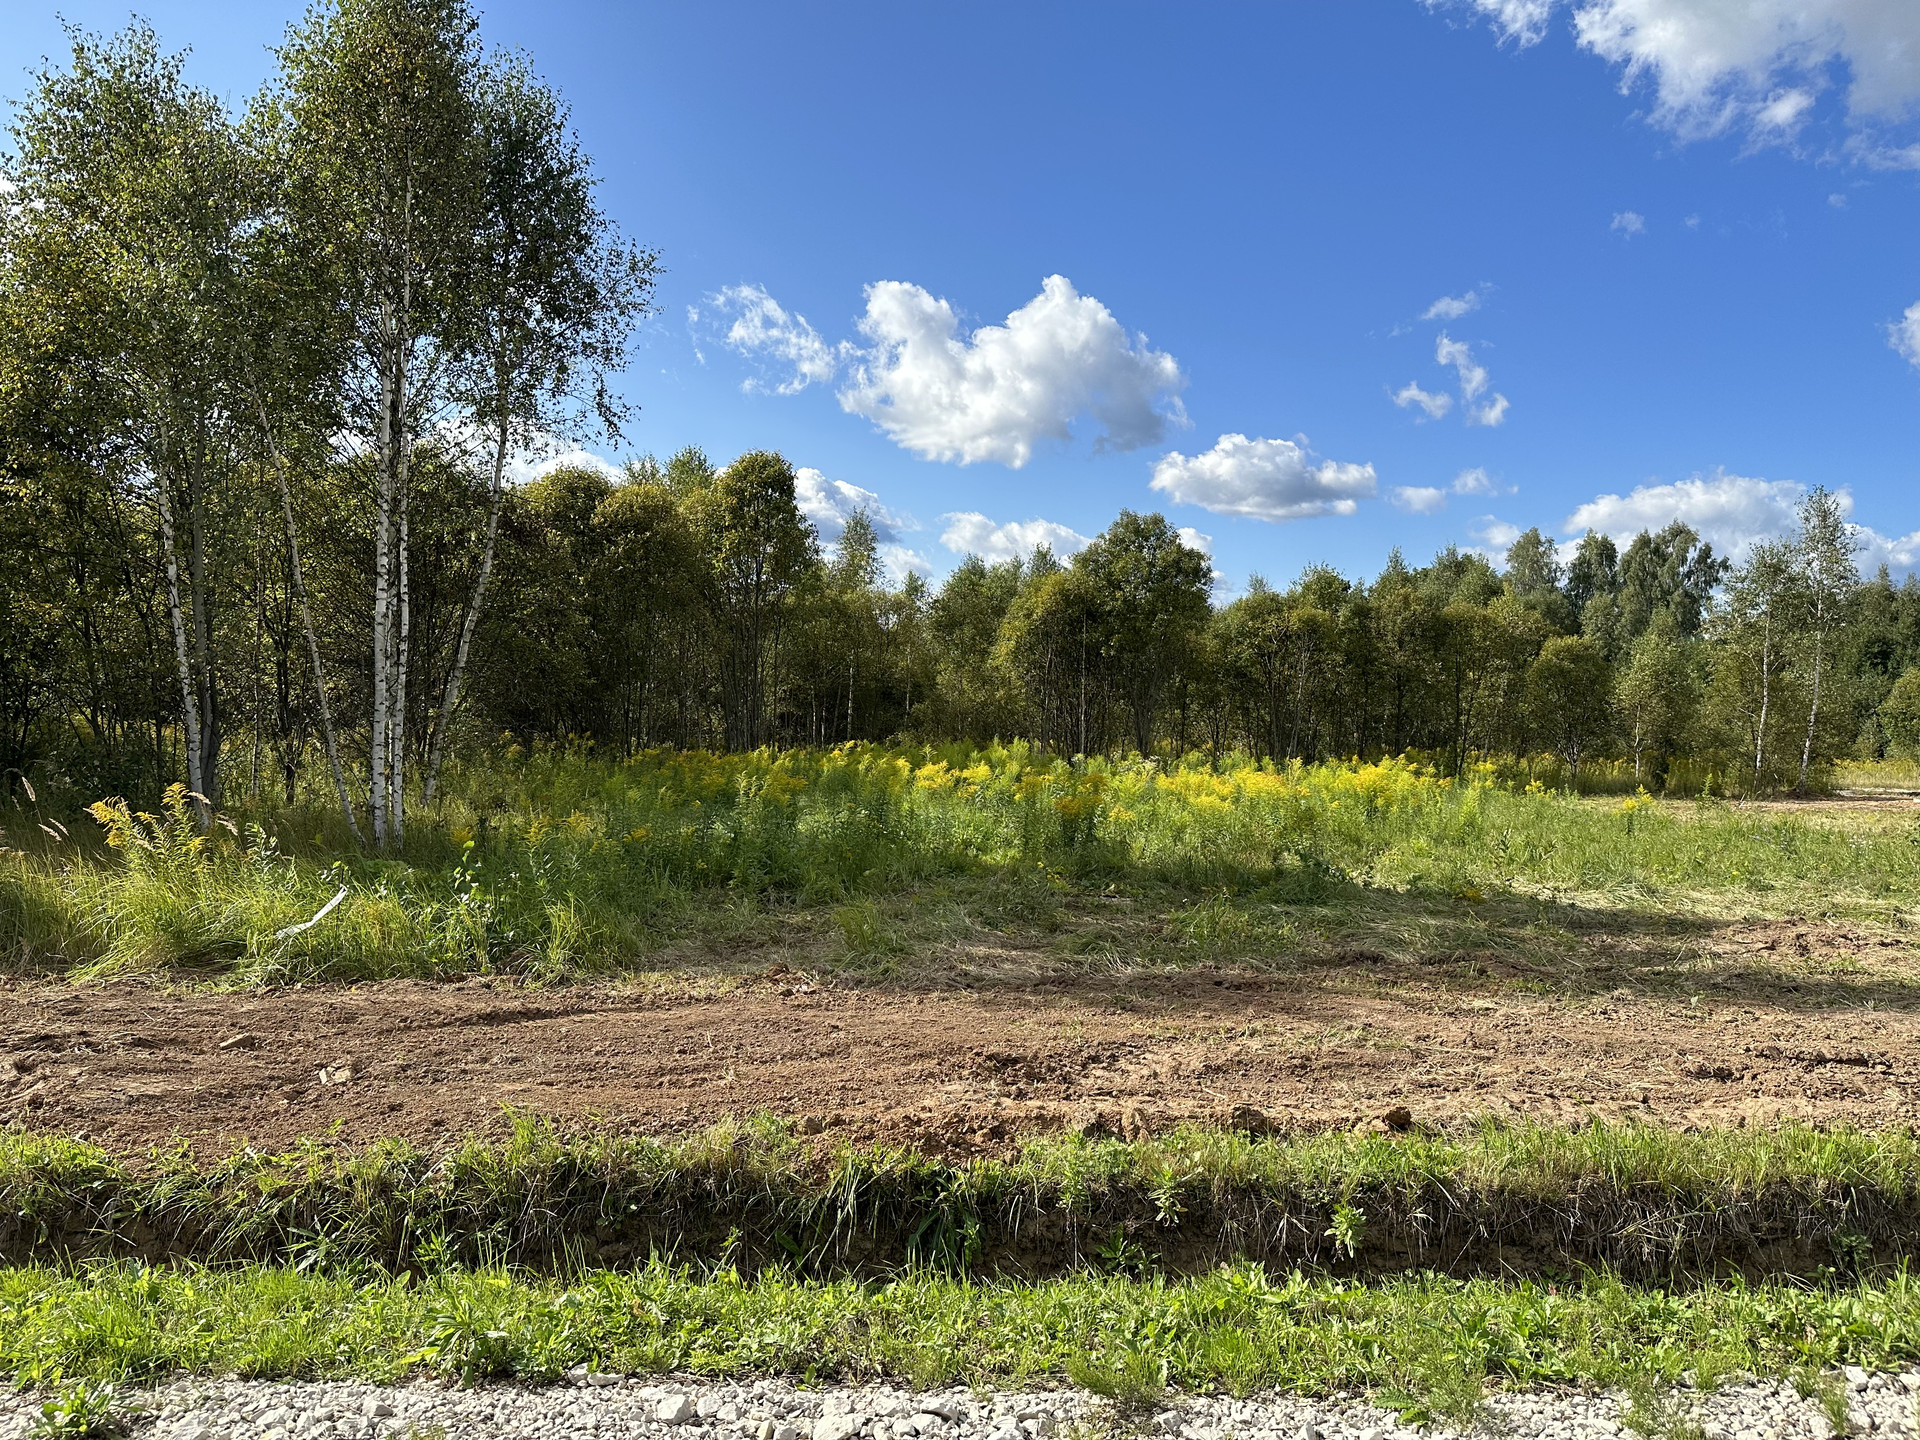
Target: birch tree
[
  {"x": 376, "y": 104},
  {"x": 130, "y": 203},
  {"x": 1829, "y": 578}
]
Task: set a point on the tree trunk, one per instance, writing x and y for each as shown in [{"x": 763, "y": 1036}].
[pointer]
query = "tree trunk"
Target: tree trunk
[
  {"x": 189, "y": 709},
  {"x": 1766, "y": 697},
  {"x": 1813, "y": 713},
  {"x": 382, "y": 590}
]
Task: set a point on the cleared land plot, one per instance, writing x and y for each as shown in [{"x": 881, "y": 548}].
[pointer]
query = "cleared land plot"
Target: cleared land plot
[{"x": 1747, "y": 1023}]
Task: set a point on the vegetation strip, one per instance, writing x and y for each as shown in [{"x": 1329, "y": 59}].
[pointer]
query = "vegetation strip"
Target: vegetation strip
[
  {"x": 556, "y": 866},
  {"x": 1427, "y": 1344},
  {"x": 1502, "y": 1198}
]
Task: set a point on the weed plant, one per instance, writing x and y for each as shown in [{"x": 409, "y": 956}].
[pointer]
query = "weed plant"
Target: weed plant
[{"x": 555, "y": 865}]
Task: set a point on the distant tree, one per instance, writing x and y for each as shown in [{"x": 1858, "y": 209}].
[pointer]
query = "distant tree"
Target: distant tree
[
  {"x": 1900, "y": 713},
  {"x": 1655, "y": 694},
  {"x": 758, "y": 547},
  {"x": 1753, "y": 626},
  {"x": 1829, "y": 577},
  {"x": 1534, "y": 576},
  {"x": 1152, "y": 588},
  {"x": 1567, "y": 690},
  {"x": 1593, "y": 571}
]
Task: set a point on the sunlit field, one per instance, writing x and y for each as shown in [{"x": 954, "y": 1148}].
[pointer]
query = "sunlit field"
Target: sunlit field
[{"x": 552, "y": 864}]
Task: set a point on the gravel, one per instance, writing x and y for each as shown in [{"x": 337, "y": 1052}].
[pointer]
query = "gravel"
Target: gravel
[{"x": 600, "y": 1407}]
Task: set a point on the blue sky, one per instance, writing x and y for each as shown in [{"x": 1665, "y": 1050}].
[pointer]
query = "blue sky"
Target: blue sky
[{"x": 1679, "y": 245}]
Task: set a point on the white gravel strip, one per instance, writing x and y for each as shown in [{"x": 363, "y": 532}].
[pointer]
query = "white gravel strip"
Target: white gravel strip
[{"x": 595, "y": 1407}]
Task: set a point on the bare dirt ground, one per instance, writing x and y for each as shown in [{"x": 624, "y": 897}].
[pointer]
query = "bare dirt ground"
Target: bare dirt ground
[{"x": 1787, "y": 1021}]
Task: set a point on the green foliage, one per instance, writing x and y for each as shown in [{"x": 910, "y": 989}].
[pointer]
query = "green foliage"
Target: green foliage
[{"x": 1427, "y": 1345}]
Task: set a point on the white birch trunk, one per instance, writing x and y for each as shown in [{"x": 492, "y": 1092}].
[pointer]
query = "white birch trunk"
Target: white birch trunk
[
  {"x": 1813, "y": 714},
  {"x": 1766, "y": 696},
  {"x": 189, "y": 710},
  {"x": 382, "y": 588}
]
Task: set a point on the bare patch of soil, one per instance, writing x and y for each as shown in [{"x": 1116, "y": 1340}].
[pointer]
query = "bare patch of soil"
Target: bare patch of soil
[{"x": 962, "y": 1070}]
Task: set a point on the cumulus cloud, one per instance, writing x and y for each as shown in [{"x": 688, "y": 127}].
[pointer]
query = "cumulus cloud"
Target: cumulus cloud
[
  {"x": 998, "y": 392},
  {"x": 1435, "y": 404},
  {"x": 1264, "y": 479},
  {"x": 1476, "y": 481},
  {"x": 1452, "y": 307},
  {"x": 1431, "y": 499},
  {"x": 829, "y": 504},
  {"x": 1904, "y": 334},
  {"x": 1194, "y": 540},
  {"x": 1732, "y": 511},
  {"x": 1420, "y": 499},
  {"x": 969, "y": 532},
  {"x": 762, "y": 329},
  {"x": 1629, "y": 223},
  {"x": 1494, "y": 536},
  {"x": 1759, "y": 65},
  {"x": 535, "y": 464}
]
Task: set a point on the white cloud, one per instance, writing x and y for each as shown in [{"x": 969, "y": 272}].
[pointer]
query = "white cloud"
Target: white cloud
[
  {"x": 1732, "y": 511},
  {"x": 1489, "y": 414},
  {"x": 1475, "y": 481},
  {"x": 995, "y": 394},
  {"x": 1264, "y": 479},
  {"x": 1629, "y": 223},
  {"x": 1473, "y": 382},
  {"x": 528, "y": 466},
  {"x": 761, "y": 328},
  {"x": 1420, "y": 499},
  {"x": 830, "y": 503},
  {"x": 1496, "y": 537},
  {"x": 1904, "y": 334},
  {"x": 1452, "y": 307},
  {"x": 1194, "y": 540},
  {"x": 1433, "y": 403},
  {"x": 969, "y": 532},
  {"x": 1716, "y": 65},
  {"x": 1837, "y": 201},
  {"x": 1473, "y": 377}
]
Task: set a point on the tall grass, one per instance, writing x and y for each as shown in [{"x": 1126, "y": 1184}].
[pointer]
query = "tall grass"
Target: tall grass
[
  {"x": 557, "y": 864},
  {"x": 1644, "y": 1202}
]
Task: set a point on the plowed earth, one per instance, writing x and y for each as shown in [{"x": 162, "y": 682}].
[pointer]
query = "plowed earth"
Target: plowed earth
[{"x": 1832, "y": 1036}]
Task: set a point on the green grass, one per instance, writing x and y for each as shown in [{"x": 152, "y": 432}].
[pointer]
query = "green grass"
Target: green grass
[
  {"x": 1429, "y": 1345},
  {"x": 1644, "y": 1202},
  {"x": 555, "y": 866}
]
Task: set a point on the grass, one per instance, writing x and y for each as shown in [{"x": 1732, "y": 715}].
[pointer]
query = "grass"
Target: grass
[
  {"x": 556, "y": 866},
  {"x": 1427, "y": 1345},
  {"x": 1502, "y": 1198}
]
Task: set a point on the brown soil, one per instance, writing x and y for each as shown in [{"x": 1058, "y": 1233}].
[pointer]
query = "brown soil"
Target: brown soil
[{"x": 956, "y": 1070}]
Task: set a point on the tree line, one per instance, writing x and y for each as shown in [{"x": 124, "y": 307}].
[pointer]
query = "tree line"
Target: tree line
[{"x": 263, "y": 378}]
